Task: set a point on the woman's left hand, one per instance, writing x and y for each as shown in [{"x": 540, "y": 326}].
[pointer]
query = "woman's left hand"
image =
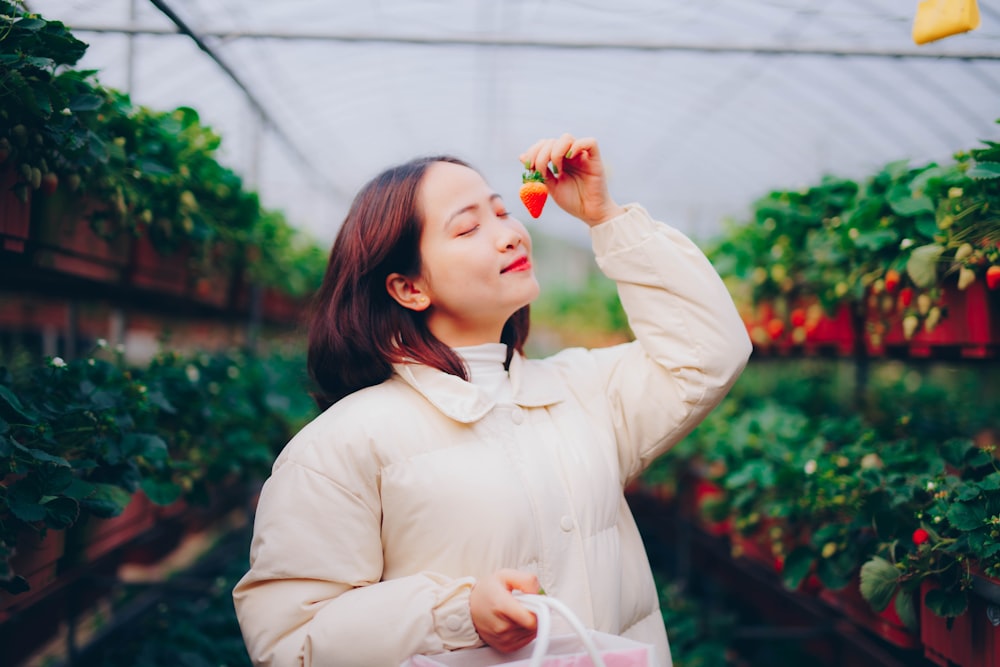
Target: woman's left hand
[{"x": 575, "y": 177}]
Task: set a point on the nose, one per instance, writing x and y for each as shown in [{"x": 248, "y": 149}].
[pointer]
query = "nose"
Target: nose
[{"x": 510, "y": 237}]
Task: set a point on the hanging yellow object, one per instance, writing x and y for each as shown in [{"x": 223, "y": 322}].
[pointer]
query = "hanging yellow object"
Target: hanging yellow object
[{"x": 937, "y": 19}]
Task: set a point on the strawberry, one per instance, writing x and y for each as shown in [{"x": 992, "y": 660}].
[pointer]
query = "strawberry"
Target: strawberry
[
  {"x": 533, "y": 192},
  {"x": 798, "y": 316},
  {"x": 906, "y": 297},
  {"x": 775, "y": 327},
  {"x": 50, "y": 182},
  {"x": 920, "y": 536},
  {"x": 993, "y": 277},
  {"x": 891, "y": 280}
]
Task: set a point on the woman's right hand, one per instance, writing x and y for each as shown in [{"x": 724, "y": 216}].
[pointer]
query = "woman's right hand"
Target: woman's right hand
[{"x": 502, "y": 621}]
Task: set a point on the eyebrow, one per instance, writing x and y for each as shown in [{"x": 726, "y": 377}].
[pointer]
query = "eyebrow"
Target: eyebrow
[{"x": 466, "y": 209}]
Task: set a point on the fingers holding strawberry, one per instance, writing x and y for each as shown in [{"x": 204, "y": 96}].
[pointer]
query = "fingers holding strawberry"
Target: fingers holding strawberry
[
  {"x": 533, "y": 192},
  {"x": 574, "y": 176}
]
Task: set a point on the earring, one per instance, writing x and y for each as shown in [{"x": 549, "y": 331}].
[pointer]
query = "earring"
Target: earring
[{"x": 422, "y": 300}]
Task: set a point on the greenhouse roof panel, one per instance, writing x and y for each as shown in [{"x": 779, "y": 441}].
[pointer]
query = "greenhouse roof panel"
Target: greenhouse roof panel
[{"x": 701, "y": 107}]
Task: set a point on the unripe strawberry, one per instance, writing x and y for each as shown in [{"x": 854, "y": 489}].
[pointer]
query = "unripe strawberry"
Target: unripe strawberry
[
  {"x": 910, "y": 323},
  {"x": 933, "y": 317},
  {"x": 966, "y": 277},
  {"x": 963, "y": 251},
  {"x": 923, "y": 303}
]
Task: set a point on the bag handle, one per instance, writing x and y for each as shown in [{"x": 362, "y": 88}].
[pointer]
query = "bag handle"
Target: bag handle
[{"x": 541, "y": 605}]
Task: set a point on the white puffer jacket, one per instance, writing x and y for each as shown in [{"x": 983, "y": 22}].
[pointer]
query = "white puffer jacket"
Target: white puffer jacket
[{"x": 382, "y": 512}]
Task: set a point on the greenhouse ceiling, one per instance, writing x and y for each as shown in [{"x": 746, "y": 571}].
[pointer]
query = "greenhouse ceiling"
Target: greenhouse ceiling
[{"x": 700, "y": 106}]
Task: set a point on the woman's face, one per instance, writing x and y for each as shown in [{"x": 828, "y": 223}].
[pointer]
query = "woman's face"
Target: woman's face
[{"x": 476, "y": 258}]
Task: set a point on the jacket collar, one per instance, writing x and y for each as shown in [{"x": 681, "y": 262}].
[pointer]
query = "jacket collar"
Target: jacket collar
[{"x": 463, "y": 401}]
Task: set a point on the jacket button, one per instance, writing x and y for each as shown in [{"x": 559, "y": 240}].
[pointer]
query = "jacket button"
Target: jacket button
[
  {"x": 454, "y": 622},
  {"x": 517, "y": 415},
  {"x": 566, "y": 523}
]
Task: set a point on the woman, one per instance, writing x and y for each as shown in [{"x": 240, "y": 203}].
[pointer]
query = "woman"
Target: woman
[{"x": 449, "y": 470}]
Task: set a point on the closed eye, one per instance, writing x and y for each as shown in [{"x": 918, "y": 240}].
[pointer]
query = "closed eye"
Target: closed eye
[
  {"x": 469, "y": 230},
  {"x": 503, "y": 214}
]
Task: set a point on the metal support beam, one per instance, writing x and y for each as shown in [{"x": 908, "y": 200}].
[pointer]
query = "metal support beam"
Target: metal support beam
[
  {"x": 494, "y": 41},
  {"x": 184, "y": 29}
]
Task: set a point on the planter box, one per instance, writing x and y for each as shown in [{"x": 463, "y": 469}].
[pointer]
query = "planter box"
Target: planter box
[
  {"x": 279, "y": 308},
  {"x": 15, "y": 215},
  {"x": 213, "y": 282},
  {"x": 98, "y": 537},
  {"x": 151, "y": 270},
  {"x": 37, "y": 560},
  {"x": 65, "y": 239},
  {"x": 970, "y": 640},
  {"x": 970, "y": 327},
  {"x": 885, "y": 624}
]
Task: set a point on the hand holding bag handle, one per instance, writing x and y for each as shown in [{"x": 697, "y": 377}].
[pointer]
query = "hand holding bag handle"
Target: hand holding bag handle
[{"x": 541, "y": 604}]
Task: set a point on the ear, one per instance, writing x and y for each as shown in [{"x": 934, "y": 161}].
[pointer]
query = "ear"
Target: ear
[{"x": 407, "y": 292}]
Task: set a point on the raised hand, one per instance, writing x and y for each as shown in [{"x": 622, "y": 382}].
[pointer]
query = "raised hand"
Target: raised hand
[{"x": 574, "y": 175}]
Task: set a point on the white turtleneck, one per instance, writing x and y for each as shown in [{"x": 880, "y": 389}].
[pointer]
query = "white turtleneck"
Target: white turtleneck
[{"x": 486, "y": 369}]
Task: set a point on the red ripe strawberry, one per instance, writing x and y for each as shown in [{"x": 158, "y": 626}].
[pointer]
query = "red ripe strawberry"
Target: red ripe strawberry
[
  {"x": 906, "y": 297},
  {"x": 920, "y": 536},
  {"x": 49, "y": 182},
  {"x": 775, "y": 327},
  {"x": 798, "y": 317},
  {"x": 891, "y": 280},
  {"x": 533, "y": 192},
  {"x": 993, "y": 277}
]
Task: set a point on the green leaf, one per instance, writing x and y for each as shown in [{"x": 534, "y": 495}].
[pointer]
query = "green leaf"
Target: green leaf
[
  {"x": 906, "y": 608},
  {"x": 946, "y": 603},
  {"x": 85, "y": 102},
  {"x": 879, "y": 581},
  {"x": 904, "y": 203},
  {"x": 147, "y": 445},
  {"x": 61, "y": 513},
  {"x": 10, "y": 399},
  {"x": 161, "y": 493},
  {"x": 106, "y": 500},
  {"x": 966, "y": 516},
  {"x": 797, "y": 567},
  {"x": 15, "y": 586},
  {"x": 985, "y": 170},
  {"x": 876, "y": 239},
  {"x": 923, "y": 263}
]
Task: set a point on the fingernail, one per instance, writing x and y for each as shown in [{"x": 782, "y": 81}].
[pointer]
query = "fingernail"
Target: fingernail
[
  {"x": 569, "y": 153},
  {"x": 555, "y": 170},
  {"x": 527, "y": 165}
]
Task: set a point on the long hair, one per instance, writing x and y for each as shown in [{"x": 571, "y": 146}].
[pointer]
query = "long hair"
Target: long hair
[{"x": 358, "y": 330}]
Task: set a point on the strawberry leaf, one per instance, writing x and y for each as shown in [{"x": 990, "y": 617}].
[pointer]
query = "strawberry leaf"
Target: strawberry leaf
[{"x": 879, "y": 581}]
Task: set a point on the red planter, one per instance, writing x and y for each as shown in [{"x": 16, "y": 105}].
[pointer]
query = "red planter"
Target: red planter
[
  {"x": 65, "y": 239},
  {"x": 802, "y": 326},
  {"x": 279, "y": 308},
  {"x": 969, "y": 326},
  {"x": 972, "y": 640},
  {"x": 102, "y": 536},
  {"x": 149, "y": 269},
  {"x": 15, "y": 215},
  {"x": 37, "y": 560},
  {"x": 886, "y": 623}
]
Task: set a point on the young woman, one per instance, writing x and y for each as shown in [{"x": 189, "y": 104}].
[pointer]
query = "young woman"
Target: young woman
[{"x": 448, "y": 469}]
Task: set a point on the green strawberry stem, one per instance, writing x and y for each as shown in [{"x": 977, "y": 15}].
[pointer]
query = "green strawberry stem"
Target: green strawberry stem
[{"x": 532, "y": 175}]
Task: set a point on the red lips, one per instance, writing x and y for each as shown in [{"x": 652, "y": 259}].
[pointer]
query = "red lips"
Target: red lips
[{"x": 519, "y": 264}]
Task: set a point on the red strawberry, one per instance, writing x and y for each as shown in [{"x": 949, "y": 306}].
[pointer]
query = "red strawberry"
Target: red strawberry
[
  {"x": 891, "y": 280},
  {"x": 906, "y": 297},
  {"x": 798, "y": 316},
  {"x": 533, "y": 192},
  {"x": 993, "y": 277},
  {"x": 775, "y": 327},
  {"x": 920, "y": 536},
  {"x": 49, "y": 183}
]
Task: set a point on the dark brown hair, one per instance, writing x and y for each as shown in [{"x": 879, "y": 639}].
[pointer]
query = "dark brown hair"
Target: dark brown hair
[{"x": 357, "y": 329}]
